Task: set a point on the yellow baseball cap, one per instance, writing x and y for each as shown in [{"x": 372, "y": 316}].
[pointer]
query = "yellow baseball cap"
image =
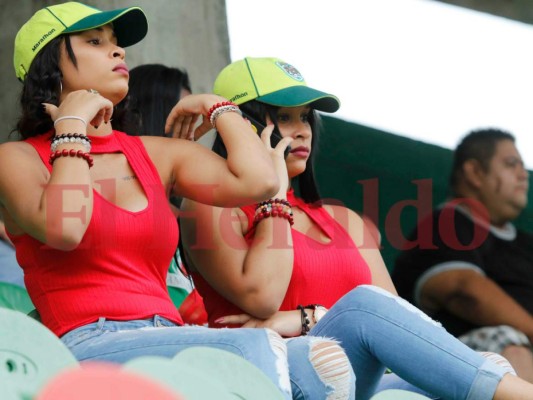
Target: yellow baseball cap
[
  {"x": 130, "y": 26},
  {"x": 271, "y": 81}
]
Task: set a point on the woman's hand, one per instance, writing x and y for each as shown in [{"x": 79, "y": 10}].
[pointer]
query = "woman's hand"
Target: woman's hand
[
  {"x": 278, "y": 159},
  {"x": 182, "y": 119},
  {"x": 88, "y": 105},
  {"x": 286, "y": 323}
]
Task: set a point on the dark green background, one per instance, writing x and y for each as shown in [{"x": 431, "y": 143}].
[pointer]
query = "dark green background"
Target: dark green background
[{"x": 350, "y": 153}]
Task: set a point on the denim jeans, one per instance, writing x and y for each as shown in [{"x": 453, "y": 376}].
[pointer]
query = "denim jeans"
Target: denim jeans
[
  {"x": 121, "y": 341},
  {"x": 377, "y": 329},
  {"x": 305, "y": 382}
]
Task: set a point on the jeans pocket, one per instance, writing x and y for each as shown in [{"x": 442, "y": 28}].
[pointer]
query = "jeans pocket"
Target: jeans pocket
[
  {"x": 163, "y": 322},
  {"x": 79, "y": 335}
]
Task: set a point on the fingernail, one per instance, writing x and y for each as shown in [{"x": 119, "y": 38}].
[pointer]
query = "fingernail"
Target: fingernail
[
  {"x": 219, "y": 320},
  {"x": 43, "y": 107}
]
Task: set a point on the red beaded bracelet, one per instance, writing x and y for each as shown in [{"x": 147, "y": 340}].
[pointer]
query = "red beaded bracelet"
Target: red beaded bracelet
[
  {"x": 220, "y": 108},
  {"x": 218, "y": 105},
  {"x": 71, "y": 153},
  {"x": 273, "y": 208}
]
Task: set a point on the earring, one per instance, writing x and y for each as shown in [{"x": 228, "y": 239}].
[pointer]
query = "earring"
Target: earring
[{"x": 60, "y": 87}]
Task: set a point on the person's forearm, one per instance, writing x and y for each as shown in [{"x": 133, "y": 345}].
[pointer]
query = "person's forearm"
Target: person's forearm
[
  {"x": 67, "y": 200},
  {"x": 268, "y": 267},
  {"x": 67, "y": 203},
  {"x": 483, "y": 302}
]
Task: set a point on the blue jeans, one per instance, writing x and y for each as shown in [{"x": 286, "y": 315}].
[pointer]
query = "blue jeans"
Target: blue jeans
[
  {"x": 121, "y": 341},
  {"x": 377, "y": 329},
  {"x": 10, "y": 271},
  {"x": 305, "y": 382}
]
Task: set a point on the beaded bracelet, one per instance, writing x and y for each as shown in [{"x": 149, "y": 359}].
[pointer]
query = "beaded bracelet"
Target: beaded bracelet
[
  {"x": 70, "y": 136},
  {"x": 304, "y": 319},
  {"x": 273, "y": 208},
  {"x": 218, "y": 105},
  {"x": 220, "y": 108},
  {"x": 314, "y": 307},
  {"x": 85, "y": 143},
  {"x": 71, "y": 153}
]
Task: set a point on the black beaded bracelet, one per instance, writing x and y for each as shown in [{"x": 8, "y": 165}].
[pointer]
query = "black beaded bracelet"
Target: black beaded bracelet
[
  {"x": 314, "y": 307},
  {"x": 70, "y": 136},
  {"x": 304, "y": 319}
]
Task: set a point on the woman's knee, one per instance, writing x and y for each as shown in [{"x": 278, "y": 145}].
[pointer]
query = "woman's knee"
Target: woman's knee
[
  {"x": 333, "y": 367},
  {"x": 372, "y": 299},
  {"x": 364, "y": 294}
]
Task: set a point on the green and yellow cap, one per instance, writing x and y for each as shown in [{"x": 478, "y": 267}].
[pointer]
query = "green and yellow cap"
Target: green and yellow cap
[
  {"x": 271, "y": 81},
  {"x": 130, "y": 26}
]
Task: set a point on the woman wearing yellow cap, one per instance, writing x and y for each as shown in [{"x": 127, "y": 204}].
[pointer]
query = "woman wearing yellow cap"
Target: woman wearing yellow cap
[
  {"x": 86, "y": 205},
  {"x": 301, "y": 267}
]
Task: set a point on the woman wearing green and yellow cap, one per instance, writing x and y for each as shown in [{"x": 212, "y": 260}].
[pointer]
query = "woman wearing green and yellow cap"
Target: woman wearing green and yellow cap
[
  {"x": 301, "y": 267},
  {"x": 84, "y": 203}
]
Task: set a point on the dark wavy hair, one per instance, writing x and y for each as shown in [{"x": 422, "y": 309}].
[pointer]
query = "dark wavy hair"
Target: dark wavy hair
[
  {"x": 43, "y": 85},
  {"x": 153, "y": 90},
  {"x": 307, "y": 186}
]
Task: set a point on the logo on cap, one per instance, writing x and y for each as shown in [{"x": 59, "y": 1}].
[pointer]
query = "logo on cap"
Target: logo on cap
[
  {"x": 290, "y": 70},
  {"x": 239, "y": 96},
  {"x": 41, "y": 40}
]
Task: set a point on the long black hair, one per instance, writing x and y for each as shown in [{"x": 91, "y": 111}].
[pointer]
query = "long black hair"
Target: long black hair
[
  {"x": 43, "y": 85},
  {"x": 153, "y": 90},
  {"x": 307, "y": 185}
]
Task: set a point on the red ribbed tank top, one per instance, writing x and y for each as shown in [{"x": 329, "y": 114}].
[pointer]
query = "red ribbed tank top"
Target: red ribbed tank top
[
  {"x": 119, "y": 269},
  {"x": 322, "y": 273}
]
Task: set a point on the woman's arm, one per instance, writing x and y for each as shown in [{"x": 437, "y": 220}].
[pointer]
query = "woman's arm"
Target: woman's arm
[
  {"x": 54, "y": 208},
  {"x": 254, "y": 278},
  {"x": 248, "y": 174},
  {"x": 286, "y": 323}
]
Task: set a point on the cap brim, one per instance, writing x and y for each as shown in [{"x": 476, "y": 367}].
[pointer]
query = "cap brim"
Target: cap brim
[
  {"x": 130, "y": 24},
  {"x": 295, "y": 96}
]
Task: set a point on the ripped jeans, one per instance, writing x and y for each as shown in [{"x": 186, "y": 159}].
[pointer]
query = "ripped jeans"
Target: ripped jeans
[
  {"x": 121, "y": 341},
  {"x": 378, "y": 330}
]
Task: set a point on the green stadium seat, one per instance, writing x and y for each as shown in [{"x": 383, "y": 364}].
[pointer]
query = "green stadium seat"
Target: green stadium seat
[
  {"x": 396, "y": 394},
  {"x": 15, "y": 297},
  {"x": 30, "y": 354},
  {"x": 192, "y": 383},
  {"x": 204, "y": 373},
  {"x": 241, "y": 378}
]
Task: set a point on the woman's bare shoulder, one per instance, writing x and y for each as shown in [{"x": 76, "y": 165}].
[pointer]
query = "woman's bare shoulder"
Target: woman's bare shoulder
[{"x": 11, "y": 150}]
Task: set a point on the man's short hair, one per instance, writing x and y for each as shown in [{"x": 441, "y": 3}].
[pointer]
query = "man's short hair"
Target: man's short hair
[{"x": 479, "y": 145}]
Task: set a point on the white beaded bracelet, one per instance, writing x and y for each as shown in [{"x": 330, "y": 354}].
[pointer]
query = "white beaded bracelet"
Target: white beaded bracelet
[
  {"x": 70, "y": 117},
  {"x": 221, "y": 110},
  {"x": 80, "y": 140}
]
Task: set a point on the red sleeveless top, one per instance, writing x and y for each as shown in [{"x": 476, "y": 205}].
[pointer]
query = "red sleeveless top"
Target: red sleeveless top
[
  {"x": 119, "y": 269},
  {"x": 322, "y": 273}
]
